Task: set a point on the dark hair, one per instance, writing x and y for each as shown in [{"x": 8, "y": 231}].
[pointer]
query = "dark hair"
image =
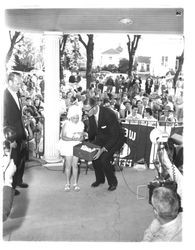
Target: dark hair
[
  {"x": 79, "y": 89},
  {"x": 148, "y": 110},
  {"x": 128, "y": 101},
  {"x": 106, "y": 100},
  {"x": 73, "y": 99},
  {"x": 134, "y": 106},
  {"x": 90, "y": 101},
  {"x": 110, "y": 96},
  {"x": 138, "y": 101},
  {"x": 6, "y": 144},
  {"x": 29, "y": 110}
]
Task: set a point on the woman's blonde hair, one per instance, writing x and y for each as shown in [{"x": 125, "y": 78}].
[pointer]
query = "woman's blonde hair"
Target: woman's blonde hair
[{"x": 73, "y": 111}]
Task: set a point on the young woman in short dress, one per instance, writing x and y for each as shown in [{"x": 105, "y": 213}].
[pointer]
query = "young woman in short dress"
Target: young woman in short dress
[{"x": 72, "y": 134}]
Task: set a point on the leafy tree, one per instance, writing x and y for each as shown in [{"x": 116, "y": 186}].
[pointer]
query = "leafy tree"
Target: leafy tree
[
  {"x": 111, "y": 67},
  {"x": 63, "y": 56},
  {"x": 132, "y": 46},
  {"x": 25, "y": 55},
  {"x": 73, "y": 52},
  {"x": 181, "y": 60},
  {"x": 70, "y": 56},
  {"x": 24, "y": 64},
  {"x": 123, "y": 65},
  {"x": 38, "y": 55},
  {"x": 89, "y": 46},
  {"x": 15, "y": 38}
]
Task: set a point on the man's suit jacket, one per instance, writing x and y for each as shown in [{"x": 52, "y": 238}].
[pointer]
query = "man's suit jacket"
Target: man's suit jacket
[
  {"x": 108, "y": 133},
  {"x": 13, "y": 116}
]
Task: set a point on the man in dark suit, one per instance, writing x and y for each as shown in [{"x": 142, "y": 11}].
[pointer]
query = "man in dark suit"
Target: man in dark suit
[
  {"x": 105, "y": 131},
  {"x": 13, "y": 118}
]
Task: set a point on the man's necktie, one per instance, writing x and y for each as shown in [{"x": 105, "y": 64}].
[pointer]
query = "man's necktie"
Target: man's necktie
[
  {"x": 19, "y": 101},
  {"x": 93, "y": 123}
]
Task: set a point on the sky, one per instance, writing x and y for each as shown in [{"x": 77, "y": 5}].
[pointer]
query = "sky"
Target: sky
[{"x": 148, "y": 44}]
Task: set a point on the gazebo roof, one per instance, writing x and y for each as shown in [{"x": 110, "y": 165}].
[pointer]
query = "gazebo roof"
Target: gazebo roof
[
  {"x": 144, "y": 20},
  {"x": 113, "y": 51}
]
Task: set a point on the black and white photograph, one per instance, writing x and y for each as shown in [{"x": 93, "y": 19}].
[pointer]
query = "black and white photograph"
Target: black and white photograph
[{"x": 92, "y": 139}]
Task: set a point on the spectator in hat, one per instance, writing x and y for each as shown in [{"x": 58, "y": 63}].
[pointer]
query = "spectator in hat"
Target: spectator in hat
[
  {"x": 127, "y": 110},
  {"x": 168, "y": 117}
]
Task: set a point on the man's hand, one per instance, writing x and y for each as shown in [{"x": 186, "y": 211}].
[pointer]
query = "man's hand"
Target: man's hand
[
  {"x": 13, "y": 144},
  {"x": 85, "y": 135},
  {"x": 164, "y": 158},
  {"x": 99, "y": 152}
]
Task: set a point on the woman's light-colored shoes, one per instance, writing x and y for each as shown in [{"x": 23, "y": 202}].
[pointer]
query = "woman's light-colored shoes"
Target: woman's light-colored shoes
[
  {"x": 76, "y": 187},
  {"x": 67, "y": 187}
]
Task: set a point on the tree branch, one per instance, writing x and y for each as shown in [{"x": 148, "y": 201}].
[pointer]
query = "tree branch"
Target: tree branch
[
  {"x": 137, "y": 40},
  {"x": 129, "y": 44},
  {"x": 82, "y": 41},
  {"x": 10, "y": 35},
  {"x": 13, "y": 42},
  {"x": 63, "y": 42},
  {"x": 20, "y": 39}
]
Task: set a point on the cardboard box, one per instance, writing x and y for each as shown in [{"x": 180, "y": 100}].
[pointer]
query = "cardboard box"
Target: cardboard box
[{"x": 88, "y": 156}]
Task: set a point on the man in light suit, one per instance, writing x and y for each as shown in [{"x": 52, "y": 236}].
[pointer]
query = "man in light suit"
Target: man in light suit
[
  {"x": 13, "y": 118},
  {"x": 105, "y": 131}
]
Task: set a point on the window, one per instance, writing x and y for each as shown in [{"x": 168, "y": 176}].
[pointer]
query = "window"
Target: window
[{"x": 164, "y": 61}]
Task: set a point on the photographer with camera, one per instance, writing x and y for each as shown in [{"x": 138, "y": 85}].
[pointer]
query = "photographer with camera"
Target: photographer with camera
[{"x": 167, "y": 225}]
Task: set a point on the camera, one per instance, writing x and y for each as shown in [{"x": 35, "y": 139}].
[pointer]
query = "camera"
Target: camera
[
  {"x": 174, "y": 147},
  {"x": 158, "y": 136}
]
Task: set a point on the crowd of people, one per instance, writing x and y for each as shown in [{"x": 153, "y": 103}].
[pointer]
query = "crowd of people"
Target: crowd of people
[
  {"x": 122, "y": 93},
  {"x": 149, "y": 101},
  {"x": 94, "y": 114}
]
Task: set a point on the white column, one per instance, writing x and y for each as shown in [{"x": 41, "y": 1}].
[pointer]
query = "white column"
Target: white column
[{"x": 51, "y": 97}]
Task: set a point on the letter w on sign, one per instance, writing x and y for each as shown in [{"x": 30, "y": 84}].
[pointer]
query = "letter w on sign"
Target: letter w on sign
[{"x": 132, "y": 135}]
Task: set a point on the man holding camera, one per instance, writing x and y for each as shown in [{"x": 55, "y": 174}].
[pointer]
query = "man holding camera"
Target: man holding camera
[{"x": 167, "y": 225}]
